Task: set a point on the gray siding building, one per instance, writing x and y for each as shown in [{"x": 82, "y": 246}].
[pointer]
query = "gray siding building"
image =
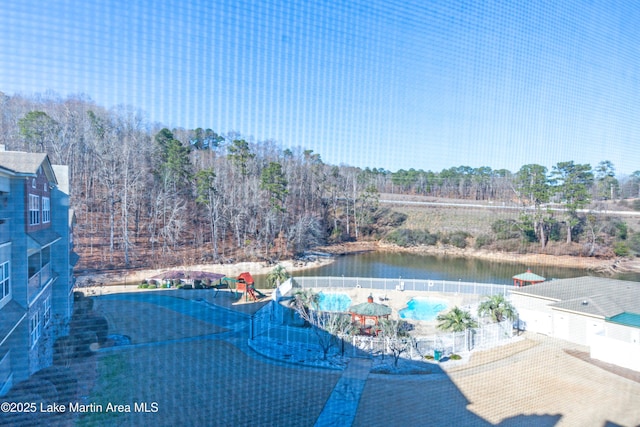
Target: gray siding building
[{"x": 36, "y": 263}]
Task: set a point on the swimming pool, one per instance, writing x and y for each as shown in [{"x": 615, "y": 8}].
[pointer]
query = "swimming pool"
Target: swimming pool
[
  {"x": 333, "y": 302},
  {"x": 422, "y": 308}
]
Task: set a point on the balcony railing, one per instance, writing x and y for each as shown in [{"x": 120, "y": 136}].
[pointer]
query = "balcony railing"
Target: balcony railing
[{"x": 39, "y": 280}]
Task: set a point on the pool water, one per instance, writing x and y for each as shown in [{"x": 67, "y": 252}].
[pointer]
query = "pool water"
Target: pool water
[
  {"x": 423, "y": 309},
  {"x": 333, "y": 302}
]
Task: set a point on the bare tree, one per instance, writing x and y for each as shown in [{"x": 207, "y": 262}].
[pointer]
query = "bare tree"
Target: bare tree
[
  {"x": 396, "y": 336},
  {"x": 326, "y": 325}
]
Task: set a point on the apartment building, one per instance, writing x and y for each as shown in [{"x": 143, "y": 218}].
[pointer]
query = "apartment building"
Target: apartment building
[{"x": 36, "y": 262}]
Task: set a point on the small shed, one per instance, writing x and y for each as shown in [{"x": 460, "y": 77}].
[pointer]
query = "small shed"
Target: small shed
[
  {"x": 369, "y": 311},
  {"x": 527, "y": 278}
]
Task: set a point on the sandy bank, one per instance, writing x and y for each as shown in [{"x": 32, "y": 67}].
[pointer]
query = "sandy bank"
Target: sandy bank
[{"x": 231, "y": 270}]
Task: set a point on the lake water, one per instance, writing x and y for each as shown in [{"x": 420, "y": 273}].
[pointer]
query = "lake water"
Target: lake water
[{"x": 426, "y": 267}]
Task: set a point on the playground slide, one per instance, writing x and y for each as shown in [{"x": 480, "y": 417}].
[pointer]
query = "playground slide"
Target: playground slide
[{"x": 254, "y": 294}]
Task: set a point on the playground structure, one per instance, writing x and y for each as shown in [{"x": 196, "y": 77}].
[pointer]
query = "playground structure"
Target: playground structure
[{"x": 243, "y": 284}]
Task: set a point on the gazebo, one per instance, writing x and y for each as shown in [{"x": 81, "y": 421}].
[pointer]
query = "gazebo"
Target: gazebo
[
  {"x": 527, "y": 278},
  {"x": 369, "y": 311}
]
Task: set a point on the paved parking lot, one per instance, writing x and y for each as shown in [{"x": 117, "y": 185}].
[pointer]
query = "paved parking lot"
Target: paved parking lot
[{"x": 206, "y": 374}]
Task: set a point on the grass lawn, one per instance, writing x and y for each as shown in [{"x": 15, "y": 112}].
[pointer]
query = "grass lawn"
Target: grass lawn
[{"x": 449, "y": 219}]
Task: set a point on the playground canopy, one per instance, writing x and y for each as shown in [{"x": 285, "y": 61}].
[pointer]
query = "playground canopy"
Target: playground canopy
[
  {"x": 527, "y": 278},
  {"x": 187, "y": 275},
  {"x": 246, "y": 277}
]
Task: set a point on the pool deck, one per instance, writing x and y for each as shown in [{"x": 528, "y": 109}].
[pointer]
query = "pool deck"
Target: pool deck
[
  {"x": 536, "y": 381},
  {"x": 398, "y": 300}
]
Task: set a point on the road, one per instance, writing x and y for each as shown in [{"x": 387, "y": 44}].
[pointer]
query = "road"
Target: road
[{"x": 506, "y": 207}]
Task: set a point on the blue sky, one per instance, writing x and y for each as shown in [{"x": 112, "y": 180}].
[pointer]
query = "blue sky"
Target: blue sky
[{"x": 415, "y": 84}]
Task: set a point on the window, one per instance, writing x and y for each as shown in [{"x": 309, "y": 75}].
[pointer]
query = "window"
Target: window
[
  {"x": 5, "y": 280},
  {"x": 46, "y": 187},
  {"x": 47, "y": 311},
  {"x": 33, "y": 183},
  {"x": 35, "y": 328},
  {"x": 34, "y": 209},
  {"x": 46, "y": 210}
]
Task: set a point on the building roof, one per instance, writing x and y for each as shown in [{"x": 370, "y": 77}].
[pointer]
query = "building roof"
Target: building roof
[
  {"x": 73, "y": 258},
  {"x": 246, "y": 276},
  {"x": 529, "y": 277},
  {"x": 370, "y": 309},
  {"x": 21, "y": 163},
  {"x": 599, "y": 296},
  {"x": 62, "y": 176}
]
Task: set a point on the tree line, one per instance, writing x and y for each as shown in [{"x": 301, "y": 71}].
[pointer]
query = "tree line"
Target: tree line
[{"x": 144, "y": 194}]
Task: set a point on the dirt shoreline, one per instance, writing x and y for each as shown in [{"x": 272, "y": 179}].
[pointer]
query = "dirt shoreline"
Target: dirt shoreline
[
  {"x": 611, "y": 266},
  {"x": 230, "y": 270}
]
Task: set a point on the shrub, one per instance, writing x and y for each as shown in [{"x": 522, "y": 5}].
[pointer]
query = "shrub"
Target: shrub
[
  {"x": 100, "y": 326},
  {"x": 457, "y": 239},
  {"x": 511, "y": 245},
  {"x": 505, "y": 229},
  {"x": 455, "y": 357},
  {"x": 395, "y": 219},
  {"x": 63, "y": 350},
  {"x": 85, "y": 330},
  {"x": 426, "y": 238},
  {"x": 83, "y": 341},
  {"x": 83, "y": 306},
  {"x": 483, "y": 240},
  {"x": 634, "y": 242},
  {"x": 621, "y": 249},
  {"x": 636, "y": 205},
  {"x": 404, "y": 237},
  {"x": 63, "y": 379},
  {"x": 399, "y": 237},
  {"x": 44, "y": 389},
  {"x": 622, "y": 230}
]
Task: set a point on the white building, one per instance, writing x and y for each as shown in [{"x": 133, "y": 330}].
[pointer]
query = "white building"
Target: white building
[{"x": 594, "y": 311}]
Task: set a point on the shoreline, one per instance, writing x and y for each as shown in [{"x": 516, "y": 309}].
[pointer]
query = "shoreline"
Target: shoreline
[
  {"x": 230, "y": 270},
  {"x": 611, "y": 266}
]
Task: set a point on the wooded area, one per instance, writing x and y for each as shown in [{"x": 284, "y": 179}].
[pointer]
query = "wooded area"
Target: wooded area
[{"x": 147, "y": 196}]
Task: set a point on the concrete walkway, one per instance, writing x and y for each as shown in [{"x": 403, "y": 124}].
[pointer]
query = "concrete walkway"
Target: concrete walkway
[{"x": 342, "y": 405}]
